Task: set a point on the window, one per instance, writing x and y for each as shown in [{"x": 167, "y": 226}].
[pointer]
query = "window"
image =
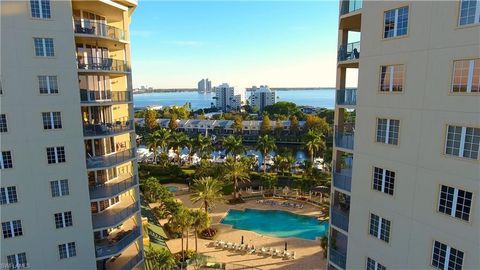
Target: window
[
  {"x": 383, "y": 180},
  {"x": 380, "y": 228},
  {"x": 6, "y": 160},
  {"x": 373, "y": 265},
  {"x": 48, "y": 84},
  {"x": 391, "y": 78},
  {"x": 466, "y": 76},
  {"x": 455, "y": 202},
  {"x": 44, "y": 47},
  {"x": 3, "y": 123},
  {"x": 387, "y": 131},
  {"x": 63, "y": 220},
  {"x": 40, "y": 9},
  {"x": 469, "y": 12},
  {"x": 462, "y": 142},
  {"x": 52, "y": 120},
  {"x": 12, "y": 229},
  {"x": 8, "y": 195},
  {"x": 445, "y": 257},
  {"x": 59, "y": 188},
  {"x": 56, "y": 154},
  {"x": 395, "y": 22},
  {"x": 67, "y": 250},
  {"x": 17, "y": 261}
]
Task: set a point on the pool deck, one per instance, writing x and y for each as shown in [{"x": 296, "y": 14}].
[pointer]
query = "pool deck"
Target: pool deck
[{"x": 309, "y": 254}]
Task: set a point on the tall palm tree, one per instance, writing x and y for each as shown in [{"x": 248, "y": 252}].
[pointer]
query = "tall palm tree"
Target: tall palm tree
[
  {"x": 159, "y": 258},
  {"x": 200, "y": 221},
  {"x": 314, "y": 143},
  {"x": 153, "y": 140},
  {"x": 233, "y": 145},
  {"x": 203, "y": 145},
  {"x": 164, "y": 136},
  {"x": 182, "y": 222},
  {"x": 179, "y": 140},
  {"x": 235, "y": 172},
  {"x": 208, "y": 190},
  {"x": 265, "y": 144}
]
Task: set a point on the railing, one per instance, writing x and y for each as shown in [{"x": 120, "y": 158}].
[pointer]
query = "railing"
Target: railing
[
  {"x": 102, "y": 64},
  {"x": 349, "y": 51},
  {"x": 117, "y": 126},
  {"x": 89, "y": 96},
  {"x": 110, "y": 160},
  {"x": 342, "y": 181},
  {"x": 339, "y": 219},
  {"x": 350, "y": 6},
  {"x": 346, "y": 97},
  {"x": 113, "y": 248},
  {"x": 111, "y": 218},
  {"x": 132, "y": 262},
  {"x": 95, "y": 28},
  {"x": 344, "y": 139},
  {"x": 108, "y": 190},
  {"x": 337, "y": 257}
]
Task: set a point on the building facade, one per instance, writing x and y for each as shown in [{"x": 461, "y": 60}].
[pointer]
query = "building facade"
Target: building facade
[
  {"x": 406, "y": 176},
  {"x": 228, "y": 98},
  {"x": 204, "y": 86},
  {"x": 69, "y": 186},
  {"x": 262, "y": 97}
]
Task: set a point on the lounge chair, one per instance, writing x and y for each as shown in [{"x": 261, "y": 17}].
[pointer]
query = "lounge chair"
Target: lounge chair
[
  {"x": 263, "y": 251},
  {"x": 286, "y": 254},
  {"x": 276, "y": 252},
  {"x": 252, "y": 250},
  {"x": 292, "y": 255}
]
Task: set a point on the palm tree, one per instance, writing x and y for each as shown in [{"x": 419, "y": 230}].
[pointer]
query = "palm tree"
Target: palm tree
[
  {"x": 182, "y": 222},
  {"x": 235, "y": 172},
  {"x": 159, "y": 258},
  {"x": 164, "y": 136},
  {"x": 265, "y": 144},
  {"x": 233, "y": 145},
  {"x": 314, "y": 143},
  {"x": 201, "y": 221},
  {"x": 153, "y": 140},
  {"x": 179, "y": 140},
  {"x": 203, "y": 145},
  {"x": 208, "y": 190}
]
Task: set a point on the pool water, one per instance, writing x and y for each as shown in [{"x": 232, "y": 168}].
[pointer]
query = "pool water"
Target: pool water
[
  {"x": 276, "y": 223},
  {"x": 172, "y": 188}
]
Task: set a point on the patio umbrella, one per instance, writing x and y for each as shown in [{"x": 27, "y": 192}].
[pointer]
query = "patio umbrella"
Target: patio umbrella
[
  {"x": 285, "y": 246},
  {"x": 242, "y": 240}
]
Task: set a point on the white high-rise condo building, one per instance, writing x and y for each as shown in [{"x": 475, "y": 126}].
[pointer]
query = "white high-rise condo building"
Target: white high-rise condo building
[
  {"x": 406, "y": 180},
  {"x": 204, "y": 86},
  {"x": 69, "y": 187},
  {"x": 262, "y": 97},
  {"x": 228, "y": 98}
]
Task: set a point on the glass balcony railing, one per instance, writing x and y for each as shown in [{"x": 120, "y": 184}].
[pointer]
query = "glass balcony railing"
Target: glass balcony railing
[
  {"x": 132, "y": 262},
  {"x": 346, "y": 97},
  {"x": 344, "y": 140},
  {"x": 104, "y": 129},
  {"x": 343, "y": 180},
  {"x": 112, "y": 217},
  {"x": 337, "y": 257},
  {"x": 350, "y": 6},
  {"x": 89, "y": 96},
  {"x": 110, "y": 160},
  {"x": 116, "y": 245},
  {"x": 102, "y": 64},
  {"x": 109, "y": 190},
  {"x": 339, "y": 219},
  {"x": 95, "y": 28},
  {"x": 350, "y": 51}
]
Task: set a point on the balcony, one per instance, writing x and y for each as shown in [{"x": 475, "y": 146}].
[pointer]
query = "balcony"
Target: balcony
[
  {"x": 344, "y": 139},
  {"x": 99, "y": 64},
  {"x": 339, "y": 219},
  {"x": 343, "y": 179},
  {"x": 349, "y": 6},
  {"x": 118, "y": 243},
  {"x": 110, "y": 160},
  {"x": 129, "y": 258},
  {"x": 114, "y": 187},
  {"x": 346, "y": 97},
  {"x": 115, "y": 214},
  {"x": 108, "y": 129},
  {"x": 102, "y": 97},
  {"x": 337, "y": 257},
  {"x": 98, "y": 29},
  {"x": 349, "y": 52}
]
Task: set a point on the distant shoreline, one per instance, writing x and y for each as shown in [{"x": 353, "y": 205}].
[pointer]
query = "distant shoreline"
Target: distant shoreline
[{"x": 248, "y": 89}]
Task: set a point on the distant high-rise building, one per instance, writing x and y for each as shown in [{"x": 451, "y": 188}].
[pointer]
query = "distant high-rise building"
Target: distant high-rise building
[
  {"x": 228, "y": 98},
  {"x": 204, "y": 86},
  {"x": 406, "y": 178},
  {"x": 262, "y": 97}
]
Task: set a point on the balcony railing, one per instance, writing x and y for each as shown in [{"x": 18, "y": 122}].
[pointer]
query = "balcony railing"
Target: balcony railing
[
  {"x": 109, "y": 190},
  {"x": 117, "y": 246},
  {"x": 339, "y": 219},
  {"x": 344, "y": 139},
  {"x": 133, "y": 261},
  {"x": 89, "y": 96},
  {"x": 346, "y": 97},
  {"x": 95, "y": 28},
  {"x": 113, "y": 217},
  {"x": 350, "y": 6},
  {"x": 110, "y": 160},
  {"x": 102, "y": 64},
  {"x": 342, "y": 180},
  {"x": 350, "y": 51},
  {"x": 108, "y": 128},
  {"x": 337, "y": 257}
]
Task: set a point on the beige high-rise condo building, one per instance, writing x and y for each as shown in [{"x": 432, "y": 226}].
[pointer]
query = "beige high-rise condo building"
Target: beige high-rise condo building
[
  {"x": 69, "y": 187},
  {"x": 406, "y": 182}
]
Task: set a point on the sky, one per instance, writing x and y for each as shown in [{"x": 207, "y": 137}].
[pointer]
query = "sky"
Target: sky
[{"x": 174, "y": 44}]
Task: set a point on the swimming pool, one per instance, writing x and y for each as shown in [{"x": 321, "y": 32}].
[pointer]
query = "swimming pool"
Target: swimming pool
[
  {"x": 172, "y": 188},
  {"x": 276, "y": 223}
]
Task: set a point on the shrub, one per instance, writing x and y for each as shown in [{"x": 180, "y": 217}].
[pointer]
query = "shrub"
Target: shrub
[{"x": 209, "y": 234}]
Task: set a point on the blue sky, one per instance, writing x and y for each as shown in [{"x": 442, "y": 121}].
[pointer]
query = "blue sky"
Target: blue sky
[{"x": 281, "y": 44}]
